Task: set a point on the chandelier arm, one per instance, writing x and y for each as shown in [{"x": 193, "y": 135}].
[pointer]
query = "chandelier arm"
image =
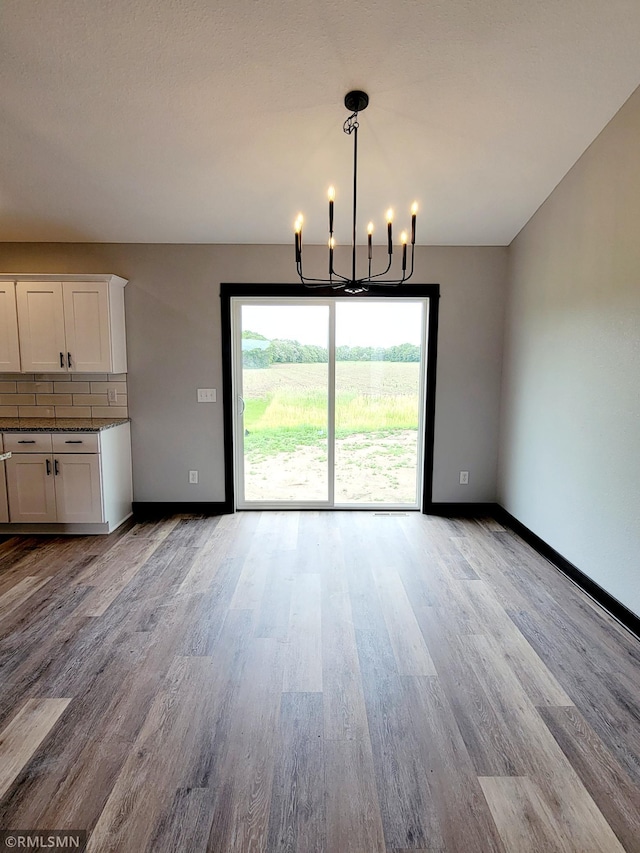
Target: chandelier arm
[
  {"x": 384, "y": 272},
  {"x": 318, "y": 281},
  {"x": 324, "y": 282},
  {"x": 333, "y": 272},
  {"x": 338, "y": 275}
]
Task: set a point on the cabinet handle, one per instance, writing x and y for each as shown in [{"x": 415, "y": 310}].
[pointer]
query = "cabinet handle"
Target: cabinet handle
[
  {"x": 69, "y": 360},
  {"x": 61, "y": 359},
  {"x": 48, "y": 461},
  {"x": 27, "y": 441},
  {"x": 74, "y": 441},
  {"x": 56, "y": 467}
]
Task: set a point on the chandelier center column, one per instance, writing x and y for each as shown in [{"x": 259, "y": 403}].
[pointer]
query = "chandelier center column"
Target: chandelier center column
[{"x": 355, "y": 200}]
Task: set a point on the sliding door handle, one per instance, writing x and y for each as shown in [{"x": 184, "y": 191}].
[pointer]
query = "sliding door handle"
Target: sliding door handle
[{"x": 243, "y": 405}]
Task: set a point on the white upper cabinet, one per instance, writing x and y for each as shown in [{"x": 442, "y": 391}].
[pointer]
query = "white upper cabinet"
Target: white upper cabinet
[
  {"x": 9, "y": 348},
  {"x": 88, "y": 327},
  {"x": 75, "y": 325},
  {"x": 41, "y": 325}
]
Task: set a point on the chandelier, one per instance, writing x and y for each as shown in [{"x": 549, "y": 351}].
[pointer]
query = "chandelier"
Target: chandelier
[{"x": 355, "y": 102}]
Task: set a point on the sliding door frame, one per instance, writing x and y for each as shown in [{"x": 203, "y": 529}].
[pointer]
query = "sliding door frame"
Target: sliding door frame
[{"x": 228, "y": 291}]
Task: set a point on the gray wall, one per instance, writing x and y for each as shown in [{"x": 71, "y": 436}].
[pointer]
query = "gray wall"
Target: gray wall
[
  {"x": 173, "y": 332},
  {"x": 570, "y": 427}
]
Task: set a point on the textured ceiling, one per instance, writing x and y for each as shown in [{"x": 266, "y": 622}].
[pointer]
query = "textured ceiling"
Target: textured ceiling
[{"x": 216, "y": 121}]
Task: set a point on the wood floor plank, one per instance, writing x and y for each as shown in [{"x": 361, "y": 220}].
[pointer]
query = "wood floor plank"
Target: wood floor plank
[
  {"x": 533, "y": 675},
  {"x": 412, "y": 654},
  {"x": 524, "y": 821},
  {"x": 345, "y": 716},
  {"x": 17, "y": 594},
  {"x": 464, "y": 821},
  {"x": 186, "y": 824},
  {"x": 354, "y": 824},
  {"x": 24, "y": 734},
  {"x": 241, "y": 813},
  {"x": 215, "y": 549},
  {"x": 272, "y": 618},
  {"x": 563, "y": 792},
  {"x": 607, "y": 699},
  {"x": 303, "y": 661},
  {"x": 403, "y": 781},
  {"x": 297, "y": 815},
  {"x": 492, "y": 746},
  {"x": 110, "y": 574},
  {"x": 150, "y": 776},
  {"x": 607, "y": 782},
  {"x": 100, "y": 739},
  {"x": 252, "y": 581}
]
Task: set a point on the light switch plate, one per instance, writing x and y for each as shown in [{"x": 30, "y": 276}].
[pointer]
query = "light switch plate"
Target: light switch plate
[{"x": 206, "y": 395}]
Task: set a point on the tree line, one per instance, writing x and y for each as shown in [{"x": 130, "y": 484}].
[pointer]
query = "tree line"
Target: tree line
[{"x": 293, "y": 352}]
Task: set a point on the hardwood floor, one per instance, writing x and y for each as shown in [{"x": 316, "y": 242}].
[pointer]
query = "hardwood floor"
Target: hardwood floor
[{"x": 317, "y": 681}]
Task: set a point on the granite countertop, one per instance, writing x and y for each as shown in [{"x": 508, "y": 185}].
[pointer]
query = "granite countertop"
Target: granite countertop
[{"x": 59, "y": 424}]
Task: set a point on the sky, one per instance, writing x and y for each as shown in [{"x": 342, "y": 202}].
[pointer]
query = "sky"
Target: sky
[{"x": 381, "y": 323}]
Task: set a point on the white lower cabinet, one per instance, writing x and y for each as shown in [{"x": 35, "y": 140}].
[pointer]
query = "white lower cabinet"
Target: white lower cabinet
[
  {"x": 67, "y": 479},
  {"x": 32, "y": 495},
  {"x": 78, "y": 488},
  {"x": 64, "y": 488}
]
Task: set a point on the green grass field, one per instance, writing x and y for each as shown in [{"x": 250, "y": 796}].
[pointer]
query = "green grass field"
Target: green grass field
[{"x": 286, "y": 404}]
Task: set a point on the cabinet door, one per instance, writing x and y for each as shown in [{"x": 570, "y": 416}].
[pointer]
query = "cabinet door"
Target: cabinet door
[
  {"x": 86, "y": 320},
  {"x": 41, "y": 324},
  {"x": 78, "y": 487},
  {"x": 9, "y": 349},
  {"x": 4, "y": 505},
  {"x": 31, "y": 488}
]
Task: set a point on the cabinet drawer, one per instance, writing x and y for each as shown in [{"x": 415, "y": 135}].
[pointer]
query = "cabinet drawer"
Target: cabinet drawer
[
  {"x": 75, "y": 442},
  {"x": 27, "y": 442}
]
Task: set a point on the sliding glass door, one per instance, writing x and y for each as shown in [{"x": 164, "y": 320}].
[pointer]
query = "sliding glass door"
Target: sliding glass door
[{"x": 329, "y": 400}]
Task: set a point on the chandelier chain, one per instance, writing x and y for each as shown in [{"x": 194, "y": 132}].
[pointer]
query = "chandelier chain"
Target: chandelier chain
[{"x": 351, "y": 124}]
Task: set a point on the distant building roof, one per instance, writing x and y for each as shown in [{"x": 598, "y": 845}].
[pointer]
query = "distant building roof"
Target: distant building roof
[{"x": 249, "y": 344}]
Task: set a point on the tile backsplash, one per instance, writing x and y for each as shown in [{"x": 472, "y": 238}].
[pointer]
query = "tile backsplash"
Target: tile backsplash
[{"x": 63, "y": 395}]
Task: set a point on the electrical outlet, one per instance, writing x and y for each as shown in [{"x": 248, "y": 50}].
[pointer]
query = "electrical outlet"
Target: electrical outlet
[
  {"x": 464, "y": 478},
  {"x": 206, "y": 395},
  {"x": 193, "y": 477},
  {"x": 112, "y": 395}
]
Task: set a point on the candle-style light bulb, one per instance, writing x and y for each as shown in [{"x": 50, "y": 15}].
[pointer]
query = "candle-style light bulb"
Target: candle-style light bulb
[
  {"x": 403, "y": 240},
  {"x": 370, "y": 239},
  {"x": 389, "y": 234},
  {"x": 332, "y": 245},
  {"x": 298, "y": 237},
  {"x": 332, "y": 194},
  {"x": 414, "y": 211}
]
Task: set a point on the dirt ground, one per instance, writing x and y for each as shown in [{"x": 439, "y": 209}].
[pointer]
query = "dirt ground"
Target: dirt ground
[{"x": 368, "y": 470}]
